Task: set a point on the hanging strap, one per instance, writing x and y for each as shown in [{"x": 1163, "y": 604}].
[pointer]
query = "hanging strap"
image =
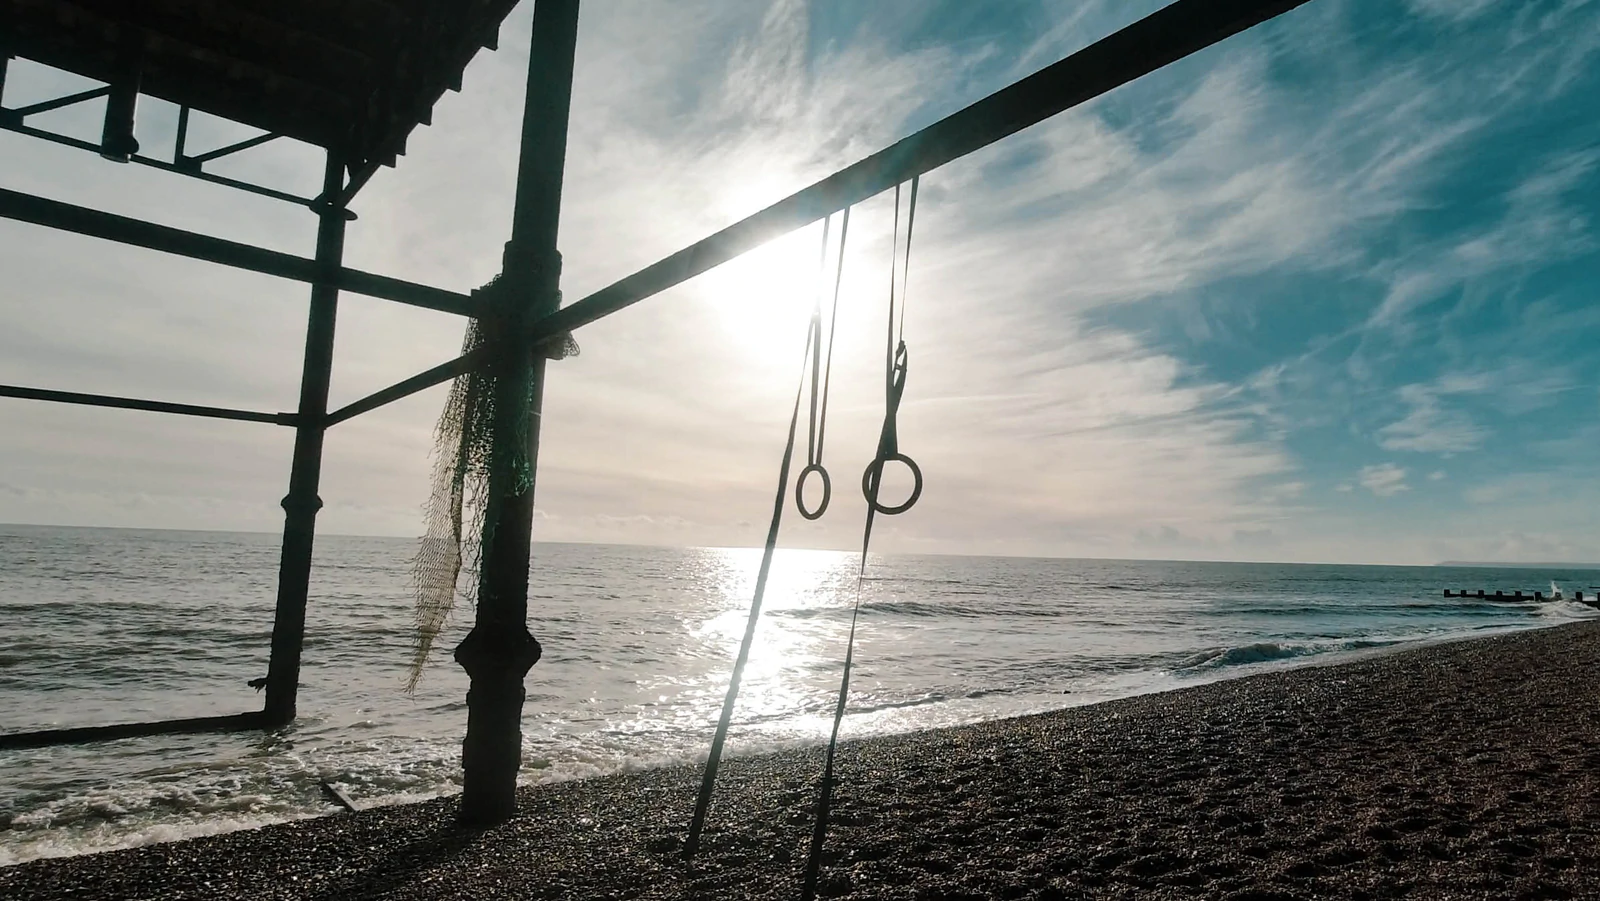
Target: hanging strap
[
  {"x": 905, "y": 275},
  {"x": 872, "y": 481},
  {"x": 708, "y": 782},
  {"x": 896, "y": 360},
  {"x": 821, "y": 377}
]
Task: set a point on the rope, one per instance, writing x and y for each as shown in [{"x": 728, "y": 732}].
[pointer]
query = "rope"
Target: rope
[
  {"x": 872, "y": 481},
  {"x": 708, "y": 782}
]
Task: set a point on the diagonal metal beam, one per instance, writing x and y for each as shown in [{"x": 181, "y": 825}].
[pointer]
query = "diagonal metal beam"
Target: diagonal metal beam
[
  {"x": 1183, "y": 28},
  {"x": 22, "y": 112},
  {"x": 221, "y": 152},
  {"x": 98, "y": 224},
  {"x": 420, "y": 382},
  {"x": 153, "y": 406},
  {"x": 1164, "y": 37}
]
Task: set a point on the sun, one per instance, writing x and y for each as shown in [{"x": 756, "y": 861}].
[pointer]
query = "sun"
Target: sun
[{"x": 761, "y": 302}]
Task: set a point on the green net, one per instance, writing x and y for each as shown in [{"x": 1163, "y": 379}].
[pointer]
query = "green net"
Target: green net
[{"x": 467, "y": 454}]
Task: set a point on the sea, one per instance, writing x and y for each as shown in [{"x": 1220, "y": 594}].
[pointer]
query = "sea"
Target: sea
[{"x": 105, "y": 626}]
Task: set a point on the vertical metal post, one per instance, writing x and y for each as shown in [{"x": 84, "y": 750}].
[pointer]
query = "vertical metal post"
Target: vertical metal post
[
  {"x": 499, "y": 650},
  {"x": 179, "y": 144},
  {"x": 301, "y": 504},
  {"x": 117, "y": 142}
]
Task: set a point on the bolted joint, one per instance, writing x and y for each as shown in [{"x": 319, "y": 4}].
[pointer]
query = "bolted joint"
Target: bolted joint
[
  {"x": 322, "y": 207},
  {"x": 293, "y": 503},
  {"x": 498, "y": 654}
]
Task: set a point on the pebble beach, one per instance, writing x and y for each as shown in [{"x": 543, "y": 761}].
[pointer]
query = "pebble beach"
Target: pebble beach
[{"x": 1462, "y": 770}]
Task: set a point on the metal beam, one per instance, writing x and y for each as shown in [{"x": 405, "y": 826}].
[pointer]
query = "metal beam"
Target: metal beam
[
  {"x": 419, "y": 382},
  {"x": 221, "y": 152},
  {"x": 358, "y": 180},
  {"x": 45, "y": 106},
  {"x": 499, "y": 650},
  {"x": 1171, "y": 34},
  {"x": 301, "y": 504},
  {"x": 154, "y": 406},
  {"x": 1178, "y": 30},
  {"x": 163, "y": 165},
  {"x": 238, "y": 722},
  {"x": 98, "y": 224}
]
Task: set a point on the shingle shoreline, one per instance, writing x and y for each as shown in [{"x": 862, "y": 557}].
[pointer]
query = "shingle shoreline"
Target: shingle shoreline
[{"x": 1461, "y": 770}]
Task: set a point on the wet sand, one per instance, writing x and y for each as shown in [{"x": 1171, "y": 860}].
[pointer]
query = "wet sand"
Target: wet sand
[{"x": 1464, "y": 770}]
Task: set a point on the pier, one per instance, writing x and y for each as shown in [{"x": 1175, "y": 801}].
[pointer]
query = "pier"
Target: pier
[{"x": 354, "y": 79}]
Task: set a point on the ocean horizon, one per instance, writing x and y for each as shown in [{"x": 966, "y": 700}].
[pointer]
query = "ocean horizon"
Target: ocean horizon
[
  {"x": 125, "y": 625},
  {"x": 537, "y": 542}
]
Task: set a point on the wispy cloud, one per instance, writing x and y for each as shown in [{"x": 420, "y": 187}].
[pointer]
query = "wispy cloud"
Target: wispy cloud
[
  {"x": 1383, "y": 479},
  {"x": 1430, "y": 427},
  {"x": 1458, "y": 10},
  {"x": 1045, "y": 410}
]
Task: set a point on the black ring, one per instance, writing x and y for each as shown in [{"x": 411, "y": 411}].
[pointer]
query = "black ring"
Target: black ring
[
  {"x": 916, "y": 488},
  {"x": 800, "y": 491}
]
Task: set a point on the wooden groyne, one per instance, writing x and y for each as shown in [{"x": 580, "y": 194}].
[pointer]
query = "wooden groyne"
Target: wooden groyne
[{"x": 1519, "y": 596}]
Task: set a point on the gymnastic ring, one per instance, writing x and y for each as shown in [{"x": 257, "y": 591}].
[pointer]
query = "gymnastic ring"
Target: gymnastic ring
[
  {"x": 916, "y": 488},
  {"x": 800, "y": 491}
]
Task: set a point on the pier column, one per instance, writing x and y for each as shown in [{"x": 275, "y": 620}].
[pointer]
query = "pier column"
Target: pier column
[
  {"x": 499, "y": 650},
  {"x": 301, "y": 504}
]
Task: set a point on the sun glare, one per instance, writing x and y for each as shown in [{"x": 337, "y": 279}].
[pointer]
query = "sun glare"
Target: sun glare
[
  {"x": 762, "y": 300},
  {"x": 794, "y": 635}
]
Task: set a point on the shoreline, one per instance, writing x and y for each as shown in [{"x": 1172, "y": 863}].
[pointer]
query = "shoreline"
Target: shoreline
[{"x": 1467, "y": 768}]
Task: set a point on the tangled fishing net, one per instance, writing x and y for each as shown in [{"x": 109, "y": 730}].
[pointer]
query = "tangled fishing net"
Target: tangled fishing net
[{"x": 466, "y": 454}]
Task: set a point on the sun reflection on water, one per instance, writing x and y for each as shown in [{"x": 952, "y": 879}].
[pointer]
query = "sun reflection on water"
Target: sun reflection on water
[{"x": 796, "y": 639}]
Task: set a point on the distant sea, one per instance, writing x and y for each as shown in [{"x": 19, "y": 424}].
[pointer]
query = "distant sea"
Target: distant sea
[{"x": 102, "y": 626}]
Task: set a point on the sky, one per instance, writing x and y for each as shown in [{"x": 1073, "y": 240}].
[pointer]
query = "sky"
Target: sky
[{"x": 1324, "y": 292}]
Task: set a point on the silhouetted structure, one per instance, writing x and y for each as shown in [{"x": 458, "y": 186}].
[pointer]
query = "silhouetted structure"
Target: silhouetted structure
[{"x": 355, "y": 77}]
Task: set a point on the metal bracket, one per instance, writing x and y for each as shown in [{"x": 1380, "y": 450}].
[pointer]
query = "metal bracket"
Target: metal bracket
[{"x": 16, "y": 115}]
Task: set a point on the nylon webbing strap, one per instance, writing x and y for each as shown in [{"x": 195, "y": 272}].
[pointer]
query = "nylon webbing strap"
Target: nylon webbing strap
[
  {"x": 833, "y": 325},
  {"x": 708, "y": 782},
  {"x": 895, "y": 365},
  {"x": 821, "y": 377}
]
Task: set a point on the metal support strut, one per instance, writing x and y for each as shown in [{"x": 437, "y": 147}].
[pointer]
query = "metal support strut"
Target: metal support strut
[
  {"x": 301, "y": 504},
  {"x": 500, "y": 650}
]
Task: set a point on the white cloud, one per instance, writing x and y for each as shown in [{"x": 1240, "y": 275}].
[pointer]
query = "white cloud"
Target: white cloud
[
  {"x": 1039, "y": 430},
  {"x": 1430, "y": 427},
  {"x": 1383, "y": 479}
]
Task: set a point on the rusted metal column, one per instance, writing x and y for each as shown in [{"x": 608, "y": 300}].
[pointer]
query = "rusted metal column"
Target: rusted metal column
[
  {"x": 301, "y": 504},
  {"x": 499, "y": 650}
]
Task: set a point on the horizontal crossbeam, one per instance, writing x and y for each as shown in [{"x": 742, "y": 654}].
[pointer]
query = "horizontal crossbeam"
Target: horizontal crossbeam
[
  {"x": 98, "y": 224},
  {"x": 1176, "y": 31},
  {"x": 153, "y": 406}
]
